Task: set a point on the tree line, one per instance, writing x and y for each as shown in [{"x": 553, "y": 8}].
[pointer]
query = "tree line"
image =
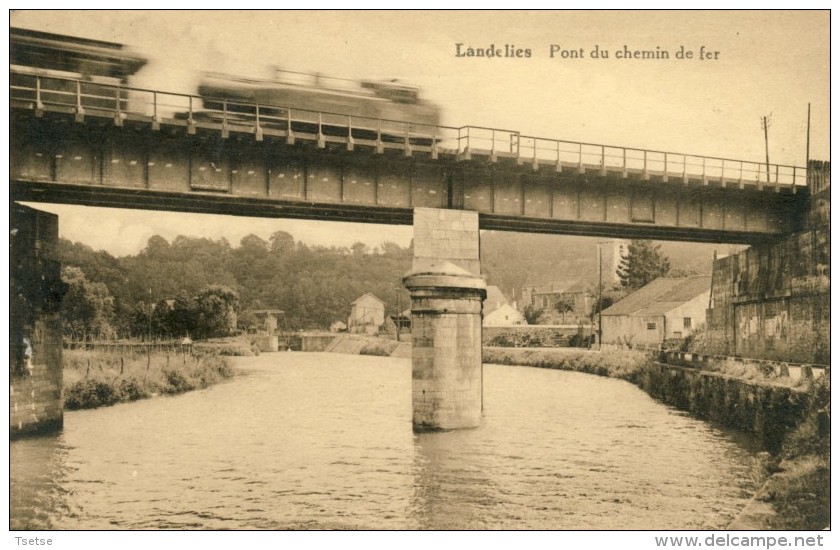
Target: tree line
[{"x": 189, "y": 286}]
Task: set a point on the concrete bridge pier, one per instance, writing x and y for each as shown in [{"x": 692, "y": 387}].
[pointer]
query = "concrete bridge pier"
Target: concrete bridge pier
[{"x": 446, "y": 303}]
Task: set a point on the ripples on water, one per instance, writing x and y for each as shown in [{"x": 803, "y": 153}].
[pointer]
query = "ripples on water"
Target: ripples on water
[{"x": 324, "y": 441}]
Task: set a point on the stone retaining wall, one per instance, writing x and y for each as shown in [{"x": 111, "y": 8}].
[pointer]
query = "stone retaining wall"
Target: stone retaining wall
[{"x": 767, "y": 411}]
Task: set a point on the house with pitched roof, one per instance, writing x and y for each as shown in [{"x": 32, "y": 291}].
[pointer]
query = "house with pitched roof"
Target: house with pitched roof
[
  {"x": 367, "y": 314},
  {"x": 577, "y": 294},
  {"x": 498, "y": 312},
  {"x": 664, "y": 309}
]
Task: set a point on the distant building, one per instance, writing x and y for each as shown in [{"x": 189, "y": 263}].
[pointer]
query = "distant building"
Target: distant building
[
  {"x": 338, "y": 326},
  {"x": 498, "y": 312},
  {"x": 399, "y": 325},
  {"x": 664, "y": 309},
  {"x": 546, "y": 297},
  {"x": 367, "y": 314},
  {"x": 611, "y": 254},
  {"x": 269, "y": 318}
]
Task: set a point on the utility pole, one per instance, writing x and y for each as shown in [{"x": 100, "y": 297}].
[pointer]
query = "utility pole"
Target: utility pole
[
  {"x": 600, "y": 285},
  {"x": 150, "y": 319},
  {"x": 398, "y": 317},
  {"x": 808, "y": 149},
  {"x": 765, "y": 123}
]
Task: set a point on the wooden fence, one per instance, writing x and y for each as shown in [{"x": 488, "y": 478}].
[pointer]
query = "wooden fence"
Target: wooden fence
[{"x": 130, "y": 347}]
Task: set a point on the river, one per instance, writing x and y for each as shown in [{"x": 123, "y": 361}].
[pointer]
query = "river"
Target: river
[{"x": 324, "y": 441}]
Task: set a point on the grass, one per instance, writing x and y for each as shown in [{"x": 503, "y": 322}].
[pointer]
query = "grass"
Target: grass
[
  {"x": 800, "y": 490},
  {"x": 234, "y": 346},
  {"x": 624, "y": 364},
  {"x": 800, "y": 493},
  {"x": 96, "y": 379}
]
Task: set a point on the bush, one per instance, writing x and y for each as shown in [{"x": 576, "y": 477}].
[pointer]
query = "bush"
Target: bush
[
  {"x": 88, "y": 394},
  {"x": 177, "y": 382},
  {"x": 502, "y": 341},
  {"x": 580, "y": 340},
  {"x": 130, "y": 390},
  {"x": 95, "y": 379}
]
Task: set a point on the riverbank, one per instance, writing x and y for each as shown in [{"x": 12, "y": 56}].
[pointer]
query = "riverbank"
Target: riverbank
[
  {"x": 95, "y": 379},
  {"x": 790, "y": 418},
  {"x": 359, "y": 344}
]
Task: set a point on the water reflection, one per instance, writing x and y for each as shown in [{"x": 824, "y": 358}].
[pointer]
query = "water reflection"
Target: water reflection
[
  {"x": 451, "y": 489},
  {"x": 324, "y": 441},
  {"x": 37, "y": 473}
]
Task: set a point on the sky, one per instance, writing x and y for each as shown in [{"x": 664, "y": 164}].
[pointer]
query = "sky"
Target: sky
[{"x": 767, "y": 64}]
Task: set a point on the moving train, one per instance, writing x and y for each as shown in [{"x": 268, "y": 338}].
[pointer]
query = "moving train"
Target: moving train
[
  {"x": 310, "y": 102},
  {"x": 69, "y": 71},
  {"x": 82, "y": 74}
]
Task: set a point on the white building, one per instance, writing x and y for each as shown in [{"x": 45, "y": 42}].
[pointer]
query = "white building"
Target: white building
[
  {"x": 367, "y": 314},
  {"x": 498, "y": 312}
]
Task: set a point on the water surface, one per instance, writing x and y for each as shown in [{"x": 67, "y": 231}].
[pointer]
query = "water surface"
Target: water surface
[{"x": 324, "y": 441}]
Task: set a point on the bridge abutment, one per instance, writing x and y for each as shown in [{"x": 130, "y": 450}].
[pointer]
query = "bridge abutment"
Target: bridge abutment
[
  {"x": 35, "y": 292},
  {"x": 773, "y": 300},
  {"x": 446, "y": 301}
]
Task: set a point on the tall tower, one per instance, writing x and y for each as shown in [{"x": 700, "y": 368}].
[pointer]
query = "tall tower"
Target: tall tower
[{"x": 611, "y": 253}]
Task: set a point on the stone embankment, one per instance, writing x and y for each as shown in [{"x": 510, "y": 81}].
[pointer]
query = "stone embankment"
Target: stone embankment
[{"x": 359, "y": 344}]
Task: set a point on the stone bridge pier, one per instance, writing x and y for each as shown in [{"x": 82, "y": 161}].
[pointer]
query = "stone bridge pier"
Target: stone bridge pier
[
  {"x": 35, "y": 293},
  {"x": 447, "y": 292}
]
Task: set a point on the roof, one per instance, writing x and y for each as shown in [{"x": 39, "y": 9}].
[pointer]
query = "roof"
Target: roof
[
  {"x": 505, "y": 308},
  {"x": 559, "y": 287},
  {"x": 367, "y": 295},
  {"x": 70, "y": 53},
  {"x": 661, "y": 296},
  {"x": 494, "y": 300}
]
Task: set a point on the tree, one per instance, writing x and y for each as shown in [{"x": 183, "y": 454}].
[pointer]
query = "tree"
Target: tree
[
  {"x": 139, "y": 319},
  {"x": 160, "y": 318},
  {"x": 156, "y": 247},
  {"x": 183, "y": 316},
  {"x": 216, "y": 306},
  {"x": 564, "y": 305},
  {"x": 642, "y": 264},
  {"x": 253, "y": 244},
  {"x": 282, "y": 242},
  {"x": 88, "y": 307},
  {"x": 532, "y": 314},
  {"x": 606, "y": 301},
  {"x": 359, "y": 249}
]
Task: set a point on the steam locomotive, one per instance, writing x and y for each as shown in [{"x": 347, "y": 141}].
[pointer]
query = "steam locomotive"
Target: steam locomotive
[{"x": 79, "y": 75}]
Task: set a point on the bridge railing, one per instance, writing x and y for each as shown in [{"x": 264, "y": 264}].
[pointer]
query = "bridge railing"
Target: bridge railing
[
  {"x": 624, "y": 161},
  {"x": 82, "y": 97}
]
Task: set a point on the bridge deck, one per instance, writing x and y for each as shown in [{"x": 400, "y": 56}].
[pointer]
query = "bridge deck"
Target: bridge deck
[{"x": 126, "y": 147}]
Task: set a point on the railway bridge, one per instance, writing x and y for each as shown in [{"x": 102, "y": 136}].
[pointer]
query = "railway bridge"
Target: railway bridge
[{"x": 116, "y": 146}]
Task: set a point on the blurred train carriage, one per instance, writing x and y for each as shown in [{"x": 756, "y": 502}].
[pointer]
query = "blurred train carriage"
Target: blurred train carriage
[
  {"x": 314, "y": 104},
  {"x": 69, "y": 73},
  {"x": 81, "y": 76}
]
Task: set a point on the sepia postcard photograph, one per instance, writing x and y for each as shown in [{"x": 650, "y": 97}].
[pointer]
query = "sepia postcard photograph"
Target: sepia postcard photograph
[{"x": 558, "y": 271}]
